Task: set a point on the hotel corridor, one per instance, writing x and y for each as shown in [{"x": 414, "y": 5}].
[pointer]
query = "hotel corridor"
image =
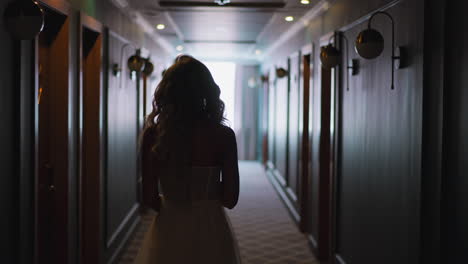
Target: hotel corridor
[
  {"x": 350, "y": 119},
  {"x": 263, "y": 227}
]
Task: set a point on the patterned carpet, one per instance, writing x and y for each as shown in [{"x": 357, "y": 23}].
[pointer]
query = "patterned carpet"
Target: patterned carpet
[{"x": 265, "y": 231}]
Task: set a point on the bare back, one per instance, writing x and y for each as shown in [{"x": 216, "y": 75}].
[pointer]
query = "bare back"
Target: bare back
[{"x": 212, "y": 145}]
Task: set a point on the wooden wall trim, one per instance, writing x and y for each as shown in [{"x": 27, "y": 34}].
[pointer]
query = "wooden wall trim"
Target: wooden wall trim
[
  {"x": 306, "y": 143},
  {"x": 91, "y": 138},
  {"x": 27, "y": 80},
  {"x": 91, "y": 23},
  {"x": 60, "y": 6}
]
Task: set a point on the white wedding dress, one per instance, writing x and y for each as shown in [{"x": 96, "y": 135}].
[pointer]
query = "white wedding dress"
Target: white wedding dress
[{"x": 192, "y": 226}]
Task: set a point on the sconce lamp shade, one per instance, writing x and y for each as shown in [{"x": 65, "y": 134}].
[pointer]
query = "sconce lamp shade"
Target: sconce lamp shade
[
  {"x": 136, "y": 62},
  {"x": 148, "y": 67},
  {"x": 329, "y": 56},
  {"x": 281, "y": 72},
  {"x": 369, "y": 44},
  {"x": 24, "y": 19}
]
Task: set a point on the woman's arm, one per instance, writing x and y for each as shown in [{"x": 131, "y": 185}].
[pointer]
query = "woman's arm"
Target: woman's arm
[
  {"x": 230, "y": 171},
  {"x": 149, "y": 176}
]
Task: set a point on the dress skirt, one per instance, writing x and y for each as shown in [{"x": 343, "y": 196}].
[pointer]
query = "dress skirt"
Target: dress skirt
[{"x": 190, "y": 232}]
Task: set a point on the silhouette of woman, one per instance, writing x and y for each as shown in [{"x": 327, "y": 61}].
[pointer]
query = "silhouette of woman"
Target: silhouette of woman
[{"x": 187, "y": 150}]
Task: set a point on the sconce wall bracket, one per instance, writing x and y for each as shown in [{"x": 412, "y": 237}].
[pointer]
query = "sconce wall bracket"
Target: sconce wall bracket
[
  {"x": 400, "y": 57},
  {"x": 354, "y": 66}
]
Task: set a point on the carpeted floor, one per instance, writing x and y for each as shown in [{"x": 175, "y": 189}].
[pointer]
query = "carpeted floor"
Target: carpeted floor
[{"x": 265, "y": 231}]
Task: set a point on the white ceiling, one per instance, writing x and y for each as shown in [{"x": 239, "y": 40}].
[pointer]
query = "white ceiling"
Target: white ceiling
[{"x": 221, "y": 33}]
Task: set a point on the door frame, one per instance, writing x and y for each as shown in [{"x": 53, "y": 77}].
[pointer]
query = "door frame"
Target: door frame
[
  {"x": 306, "y": 87},
  {"x": 62, "y": 8},
  {"x": 327, "y": 155},
  {"x": 97, "y": 185}
]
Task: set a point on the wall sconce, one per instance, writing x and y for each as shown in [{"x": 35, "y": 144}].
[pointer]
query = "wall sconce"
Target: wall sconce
[
  {"x": 148, "y": 68},
  {"x": 135, "y": 63},
  {"x": 370, "y": 44},
  {"x": 252, "y": 82},
  {"x": 330, "y": 57},
  {"x": 24, "y": 19},
  {"x": 281, "y": 72}
]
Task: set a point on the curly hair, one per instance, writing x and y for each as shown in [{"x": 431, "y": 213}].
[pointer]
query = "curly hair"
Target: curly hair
[{"x": 186, "y": 93}]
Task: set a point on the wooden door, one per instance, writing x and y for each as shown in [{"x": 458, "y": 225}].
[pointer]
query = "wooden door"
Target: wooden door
[
  {"x": 91, "y": 143},
  {"x": 52, "y": 137}
]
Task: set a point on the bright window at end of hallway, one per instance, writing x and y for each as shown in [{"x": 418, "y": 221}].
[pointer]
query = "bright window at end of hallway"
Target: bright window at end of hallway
[{"x": 224, "y": 74}]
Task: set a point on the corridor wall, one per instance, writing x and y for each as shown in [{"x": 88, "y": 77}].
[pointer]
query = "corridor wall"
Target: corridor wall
[
  {"x": 377, "y": 179},
  {"x": 17, "y": 159}
]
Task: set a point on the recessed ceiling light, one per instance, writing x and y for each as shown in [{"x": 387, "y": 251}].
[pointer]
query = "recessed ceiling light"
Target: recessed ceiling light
[
  {"x": 161, "y": 26},
  {"x": 289, "y": 18},
  {"x": 305, "y": 2},
  {"x": 258, "y": 52},
  {"x": 180, "y": 48}
]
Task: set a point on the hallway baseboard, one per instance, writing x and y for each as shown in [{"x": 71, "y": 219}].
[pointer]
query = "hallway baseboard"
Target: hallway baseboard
[
  {"x": 124, "y": 241},
  {"x": 277, "y": 182}
]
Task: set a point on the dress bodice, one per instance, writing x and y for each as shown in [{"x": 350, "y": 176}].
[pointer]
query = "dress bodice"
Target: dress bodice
[{"x": 191, "y": 183}]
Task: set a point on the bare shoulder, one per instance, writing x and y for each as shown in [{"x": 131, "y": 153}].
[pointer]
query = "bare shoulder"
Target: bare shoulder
[{"x": 226, "y": 132}]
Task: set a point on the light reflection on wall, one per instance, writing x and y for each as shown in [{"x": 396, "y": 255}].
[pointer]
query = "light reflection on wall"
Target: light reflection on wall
[{"x": 224, "y": 74}]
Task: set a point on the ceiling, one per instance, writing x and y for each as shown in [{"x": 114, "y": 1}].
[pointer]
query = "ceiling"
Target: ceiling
[{"x": 221, "y": 33}]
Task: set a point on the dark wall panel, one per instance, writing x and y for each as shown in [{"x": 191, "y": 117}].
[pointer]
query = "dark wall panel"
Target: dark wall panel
[
  {"x": 379, "y": 181},
  {"x": 121, "y": 182},
  {"x": 455, "y": 219},
  {"x": 379, "y": 199},
  {"x": 293, "y": 124},
  {"x": 281, "y": 124},
  {"x": 271, "y": 117},
  {"x": 8, "y": 132}
]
